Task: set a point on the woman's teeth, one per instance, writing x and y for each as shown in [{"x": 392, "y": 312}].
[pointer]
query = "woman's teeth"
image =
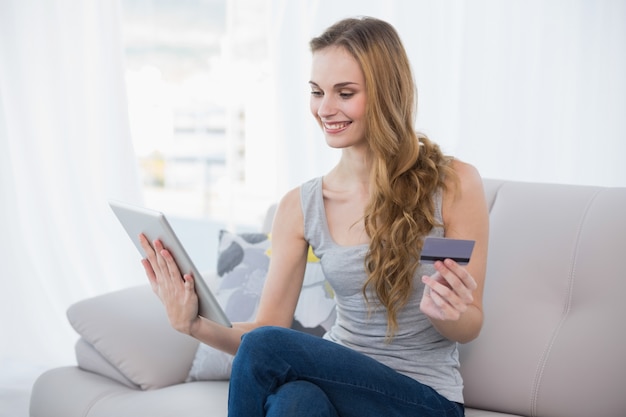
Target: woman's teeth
[{"x": 336, "y": 126}]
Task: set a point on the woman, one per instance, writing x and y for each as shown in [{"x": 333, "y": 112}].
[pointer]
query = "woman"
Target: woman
[{"x": 393, "y": 348}]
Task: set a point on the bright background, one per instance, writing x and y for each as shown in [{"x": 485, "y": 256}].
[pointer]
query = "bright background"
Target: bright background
[{"x": 200, "y": 108}]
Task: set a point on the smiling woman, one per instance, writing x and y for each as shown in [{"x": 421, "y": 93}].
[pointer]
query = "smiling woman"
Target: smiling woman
[
  {"x": 366, "y": 220},
  {"x": 338, "y": 97}
]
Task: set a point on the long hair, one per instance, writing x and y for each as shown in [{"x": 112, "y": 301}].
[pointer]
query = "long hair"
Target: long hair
[{"x": 408, "y": 169}]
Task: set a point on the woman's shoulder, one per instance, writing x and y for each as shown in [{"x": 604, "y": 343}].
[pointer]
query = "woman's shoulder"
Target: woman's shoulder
[
  {"x": 294, "y": 195},
  {"x": 290, "y": 205},
  {"x": 464, "y": 195},
  {"x": 466, "y": 177},
  {"x": 290, "y": 200}
]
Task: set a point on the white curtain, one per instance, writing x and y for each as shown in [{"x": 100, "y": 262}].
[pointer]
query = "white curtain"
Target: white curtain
[
  {"x": 530, "y": 90},
  {"x": 64, "y": 149}
]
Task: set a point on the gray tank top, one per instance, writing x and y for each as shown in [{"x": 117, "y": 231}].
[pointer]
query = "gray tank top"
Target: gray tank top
[{"x": 417, "y": 350}]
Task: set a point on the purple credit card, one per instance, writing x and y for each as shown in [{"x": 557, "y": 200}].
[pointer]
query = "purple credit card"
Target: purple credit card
[{"x": 439, "y": 248}]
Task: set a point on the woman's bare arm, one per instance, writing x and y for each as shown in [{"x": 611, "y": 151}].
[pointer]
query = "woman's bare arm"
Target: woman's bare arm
[
  {"x": 453, "y": 298},
  {"x": 280, "y": 293}
]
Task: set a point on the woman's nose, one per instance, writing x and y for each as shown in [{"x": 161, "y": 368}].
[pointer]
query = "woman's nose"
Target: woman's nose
[{"x": 327, "y": 107}]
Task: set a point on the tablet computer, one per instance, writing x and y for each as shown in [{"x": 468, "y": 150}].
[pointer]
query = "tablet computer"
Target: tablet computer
[{"x": 154, "y": 225}]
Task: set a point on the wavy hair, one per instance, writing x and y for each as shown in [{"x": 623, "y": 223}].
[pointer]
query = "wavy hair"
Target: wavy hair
[{"x": 408, "y": 169}]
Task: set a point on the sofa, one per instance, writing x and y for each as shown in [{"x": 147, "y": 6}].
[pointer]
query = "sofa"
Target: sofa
[{"x": 553, "y": 342}]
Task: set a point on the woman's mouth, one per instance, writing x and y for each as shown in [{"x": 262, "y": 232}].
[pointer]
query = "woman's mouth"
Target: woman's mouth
[{"x": 335, "y": 127}]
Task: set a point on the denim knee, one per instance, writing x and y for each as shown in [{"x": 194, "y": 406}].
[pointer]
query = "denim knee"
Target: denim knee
[
  {"x": 299, "y": 398},
  {"x": 263, "y": 336},
  {"x": 257, "y": 349},
  {"x": 259, "y": 341}
]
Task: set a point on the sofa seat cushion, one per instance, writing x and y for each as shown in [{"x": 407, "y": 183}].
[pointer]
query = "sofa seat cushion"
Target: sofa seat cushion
[{"x": 471, "y": 412}]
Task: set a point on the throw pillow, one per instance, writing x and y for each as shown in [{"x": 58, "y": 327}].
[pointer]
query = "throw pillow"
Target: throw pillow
[
  {"x": 128, "y": 329},
  {"x": 242, "y": 264}
]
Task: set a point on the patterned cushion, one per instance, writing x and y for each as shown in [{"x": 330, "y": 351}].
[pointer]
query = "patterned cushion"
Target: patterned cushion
[{"x": 242, "y": 264}]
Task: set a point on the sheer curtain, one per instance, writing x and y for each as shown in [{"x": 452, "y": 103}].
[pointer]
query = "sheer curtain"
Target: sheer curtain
[
  {"x": 64, "y": 149},
  {"x": 527, "y": 90}
]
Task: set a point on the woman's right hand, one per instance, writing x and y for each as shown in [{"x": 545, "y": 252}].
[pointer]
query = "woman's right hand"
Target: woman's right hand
[{"x": 175, "y": 290}]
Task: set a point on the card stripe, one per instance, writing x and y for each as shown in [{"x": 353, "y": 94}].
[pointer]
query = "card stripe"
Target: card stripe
[{"x": 440, "y": 258}]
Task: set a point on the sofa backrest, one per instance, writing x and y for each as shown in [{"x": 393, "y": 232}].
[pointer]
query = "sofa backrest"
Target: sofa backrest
[
  {"x": 266, "y": 227},
  {"x": 554, "y": 340}
]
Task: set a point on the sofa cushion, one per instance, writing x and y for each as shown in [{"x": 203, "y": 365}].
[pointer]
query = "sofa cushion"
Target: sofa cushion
[
  {"x": 242, "y": 264},
  {"x": 145, "y": 349},
  {"x": 91, "y": 360}
]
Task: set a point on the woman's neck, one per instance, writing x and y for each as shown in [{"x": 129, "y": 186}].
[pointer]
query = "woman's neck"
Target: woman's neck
[{"x": 353, "y": 169}]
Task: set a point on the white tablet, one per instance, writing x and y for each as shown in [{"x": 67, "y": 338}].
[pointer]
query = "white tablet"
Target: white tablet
[{"x": 154, "y": 225}]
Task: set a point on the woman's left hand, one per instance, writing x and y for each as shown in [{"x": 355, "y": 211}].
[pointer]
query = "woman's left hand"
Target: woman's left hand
[{"x": 448, "y": 292}]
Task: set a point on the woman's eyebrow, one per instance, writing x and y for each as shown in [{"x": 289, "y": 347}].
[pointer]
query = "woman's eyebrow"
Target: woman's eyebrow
[{"x": 338, "y": 85}]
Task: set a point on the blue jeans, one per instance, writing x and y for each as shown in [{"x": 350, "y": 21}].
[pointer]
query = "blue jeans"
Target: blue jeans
[{"x": 283, "y": 372}]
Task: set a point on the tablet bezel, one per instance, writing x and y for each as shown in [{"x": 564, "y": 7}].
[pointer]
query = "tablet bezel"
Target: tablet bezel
[{"x": 154, "y": 225}]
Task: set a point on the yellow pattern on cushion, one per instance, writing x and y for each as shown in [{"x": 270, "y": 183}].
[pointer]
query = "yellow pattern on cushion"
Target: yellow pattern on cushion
[{"x": 309, "y": 258}]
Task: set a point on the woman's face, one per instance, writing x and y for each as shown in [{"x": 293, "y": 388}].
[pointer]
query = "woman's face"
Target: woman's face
[{"x": 338, "y": 97}]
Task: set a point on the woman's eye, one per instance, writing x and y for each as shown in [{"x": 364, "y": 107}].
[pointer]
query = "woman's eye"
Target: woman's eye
[
  {"x": 346, "y": 95},
  {"x": 316, "y": 93}
]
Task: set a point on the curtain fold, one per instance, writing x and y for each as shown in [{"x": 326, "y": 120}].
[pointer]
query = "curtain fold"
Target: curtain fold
[{"x": 65, "y": 149}]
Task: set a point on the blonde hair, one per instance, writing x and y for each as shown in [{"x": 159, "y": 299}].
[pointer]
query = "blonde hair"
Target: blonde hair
[{"x": 408, "y": 169}]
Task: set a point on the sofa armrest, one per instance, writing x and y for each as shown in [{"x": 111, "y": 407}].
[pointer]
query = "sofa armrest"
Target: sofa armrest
[
  {"x": 131, "y": 332},
  {"x": 69, "y": 392},
  {"x": 72, "y": 392}
]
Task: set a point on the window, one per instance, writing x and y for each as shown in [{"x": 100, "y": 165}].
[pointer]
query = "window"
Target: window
[{"x": 193, "y": 68}]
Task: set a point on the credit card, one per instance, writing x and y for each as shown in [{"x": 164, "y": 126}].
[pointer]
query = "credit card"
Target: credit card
[{"x": 439, "y": 248}]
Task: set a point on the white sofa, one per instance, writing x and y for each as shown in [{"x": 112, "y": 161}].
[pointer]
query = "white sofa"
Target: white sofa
[{"x": 553, "y": 342}]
